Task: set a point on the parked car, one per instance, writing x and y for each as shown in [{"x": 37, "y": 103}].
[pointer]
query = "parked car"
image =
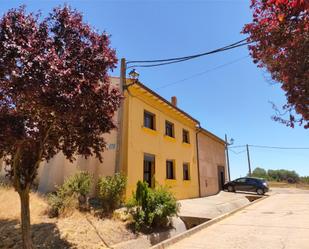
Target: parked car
[{"x": 248, "y": 184}]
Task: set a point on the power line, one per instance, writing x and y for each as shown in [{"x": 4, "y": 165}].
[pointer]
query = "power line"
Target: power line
[
  {"x": 196, "y": 75},
  {"x": 280, "y": 148},
  {"x": 162, "y": 62},
  {"x": 271, "y": 147},
  {"x": 237, "y": 146},
  {"x": 202, "y": 73},
  {"x": 184, "y": 57},
  {"x": 237, "y": 152}
]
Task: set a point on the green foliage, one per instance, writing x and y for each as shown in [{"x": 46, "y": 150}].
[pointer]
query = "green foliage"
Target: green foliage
[
  {"x": 259, "y": 172},
  {"x": 60, "y": 203},
  {"x": 4, "y": 182},
  {"x": 71, "y": 194},
  {"x": 152, "y": 207},
  {"x": 304, "y": 179},
  {"x": 278, "y": 175},
  {"x": 111, "y": 190},
  {"x": 79, "y": 183},
  {"x": 283, "y": 175}
]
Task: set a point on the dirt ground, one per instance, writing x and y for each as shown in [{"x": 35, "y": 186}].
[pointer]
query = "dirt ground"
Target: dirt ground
[
  {"x": 289, "y": 185},
  {"x": 80, "y": 230}
]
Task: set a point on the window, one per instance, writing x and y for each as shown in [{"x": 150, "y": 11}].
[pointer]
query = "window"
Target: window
[
  {"x": 169, "y": 129},
  {"x": 149, "y": 120},
  {"x": 251, "y": 181},
  {"x": 186, "y": 171},
  {"x": 185, "y": 136},
  {"x": 149, "y": 169},
  {"x": 170, "y": 169},
  {"x": 241, "y": 180}
]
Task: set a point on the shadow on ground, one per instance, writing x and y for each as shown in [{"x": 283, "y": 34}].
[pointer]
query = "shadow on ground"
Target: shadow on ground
[{"x": 44, "y": 235}]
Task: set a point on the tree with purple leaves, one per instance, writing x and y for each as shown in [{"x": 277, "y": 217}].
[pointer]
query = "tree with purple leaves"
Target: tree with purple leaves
[
  {"x": 55, "y": 94},
  {"x": 280, "y": 35}
]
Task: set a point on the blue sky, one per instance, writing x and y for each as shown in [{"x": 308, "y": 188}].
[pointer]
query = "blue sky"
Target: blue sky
[{"x": 232, "y": 99}]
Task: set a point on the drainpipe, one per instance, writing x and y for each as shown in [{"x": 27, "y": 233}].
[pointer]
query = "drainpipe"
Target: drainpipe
[{"x": 198, "y": 159}]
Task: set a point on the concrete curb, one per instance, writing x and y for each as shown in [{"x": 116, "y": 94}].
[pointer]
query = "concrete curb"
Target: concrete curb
[{"x": 173, "y": 240}]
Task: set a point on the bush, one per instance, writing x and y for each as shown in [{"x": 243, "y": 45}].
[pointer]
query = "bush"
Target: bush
[
  {"x": 5, "y": 182},
  {"x": 152, "y": 207},
  {"x": 111, "y": 190},
  {"x": 283, "y": 175},
  {"x": 80, "y": 184},
  {"x": 304, "y": 179},
  {"x": 260, "y": 173},
  {"x": 72, "y": 194}
]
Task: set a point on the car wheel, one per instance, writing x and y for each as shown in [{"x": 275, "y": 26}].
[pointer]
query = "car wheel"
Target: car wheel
[
  {"x": 260, "y": 191},
  {"x": 230, "y": 189}
]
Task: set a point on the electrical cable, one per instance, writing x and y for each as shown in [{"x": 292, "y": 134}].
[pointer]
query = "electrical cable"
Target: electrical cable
[
  {"x": 237, "y": 152},
  {"x": 280, "y": 148},
  {"x": 185, "y": 58},
  {"x": 270, "y": 147},
  {"x": 201, "y": 73}
]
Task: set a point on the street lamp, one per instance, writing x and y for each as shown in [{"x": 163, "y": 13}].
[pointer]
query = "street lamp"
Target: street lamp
[{"x": 134, "y": 75}]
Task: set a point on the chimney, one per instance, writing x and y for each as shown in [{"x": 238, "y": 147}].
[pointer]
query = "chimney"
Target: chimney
[{"x": 174, "y": 101}]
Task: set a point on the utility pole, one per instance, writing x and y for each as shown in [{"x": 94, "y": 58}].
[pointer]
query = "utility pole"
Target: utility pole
[
  {"x": 120, "y": 135},
  {"x": 227, "y": 157},
  {"x": 123, "y": 70},
  {"x": 248, "y": 155}
]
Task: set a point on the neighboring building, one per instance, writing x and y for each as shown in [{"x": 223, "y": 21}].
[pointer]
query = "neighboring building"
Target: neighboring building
[
  {"x": 159, "y": 143},
  {"x": 155, "y": 142},
  {"x": 55, "y": 171},
  {"x": 212, "y": 164}
]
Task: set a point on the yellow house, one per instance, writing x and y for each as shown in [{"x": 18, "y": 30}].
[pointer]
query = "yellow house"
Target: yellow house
[
  {"x": 158, "y": 143},
  {"x": 155, "y": 142}
]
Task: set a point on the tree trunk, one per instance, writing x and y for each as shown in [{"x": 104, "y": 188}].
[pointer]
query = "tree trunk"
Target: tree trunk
[{"x": 25, "y": 218}]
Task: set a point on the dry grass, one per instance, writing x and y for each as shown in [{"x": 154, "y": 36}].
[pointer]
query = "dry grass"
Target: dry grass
[
  {"x": 289, "y": 185},
  {"x": 80, "y": 230}
]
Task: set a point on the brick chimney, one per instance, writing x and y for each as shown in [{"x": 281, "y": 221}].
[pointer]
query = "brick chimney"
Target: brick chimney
[{"x": 174, "y": 101}]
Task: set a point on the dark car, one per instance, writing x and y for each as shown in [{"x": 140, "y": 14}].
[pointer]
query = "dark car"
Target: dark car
[{"x": 247, "y": 184}]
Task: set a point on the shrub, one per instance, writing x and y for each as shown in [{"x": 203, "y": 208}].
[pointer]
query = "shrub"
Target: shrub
[
  {"x": 61, "y": 203},
  {"x": 152, "y": 207},
  {"x": 111, "y": 190},
  {"x": 79, "y": 183},
  {"x": 4, "y": 182},
  {"x": 71, "y": 194},
  {"x": 283, "y": 175},
  {"x": 304, "y": 179}
]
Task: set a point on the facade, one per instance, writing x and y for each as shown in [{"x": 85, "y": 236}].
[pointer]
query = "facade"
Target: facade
[
  {"x": 212, "y": 163},
  {"x": 155, "y": 142},
  {"x": 159, "y": 143},
  {"x": 55, "y": 171}
]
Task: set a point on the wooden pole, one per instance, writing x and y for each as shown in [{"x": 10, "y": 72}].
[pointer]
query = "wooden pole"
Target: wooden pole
[
  {"x": 121, "y": 132},
  {"x": 248, "y": 155},
  {"x": 227, "y": 157}
]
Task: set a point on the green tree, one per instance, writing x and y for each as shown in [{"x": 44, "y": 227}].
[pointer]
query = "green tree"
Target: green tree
[
  {"x": 259, "y": 172},
  {"x": 281, "y": 175}
]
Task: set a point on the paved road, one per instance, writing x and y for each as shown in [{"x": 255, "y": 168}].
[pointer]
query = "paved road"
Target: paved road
[
  {"x": 278, "y": 222},
  {"x": 212, "y": 206}
]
